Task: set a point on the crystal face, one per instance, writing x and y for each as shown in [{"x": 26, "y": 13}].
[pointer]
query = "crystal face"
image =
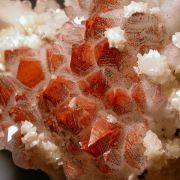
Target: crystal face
[{"x": 79, "y": 101}]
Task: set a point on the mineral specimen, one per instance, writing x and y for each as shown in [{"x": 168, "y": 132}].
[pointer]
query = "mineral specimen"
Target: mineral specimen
[{"x": 92, "y": 90}]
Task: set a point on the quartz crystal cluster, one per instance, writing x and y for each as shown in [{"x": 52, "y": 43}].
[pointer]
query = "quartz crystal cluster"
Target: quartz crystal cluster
[{"x": 92, "y": 91}]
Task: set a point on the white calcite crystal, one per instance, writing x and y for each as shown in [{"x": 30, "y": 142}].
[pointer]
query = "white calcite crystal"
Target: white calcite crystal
[
  {"x": 14, "y": 38},
  {"x": 132, "y": 177},
  {"x": 78, "y": 20},
  {"x": 173, "y": 148},
  {"x": 72, "y": 103},
  {"x": 31, "y": 138},
  {"x": 155, "y": 66},
  {"x": 11, "y": 131},
  {"x": 31, "y": 29},
  {"x": 153, "y": 145},
  {"x": 175, "y": 100},
  {"x": 45, "y": 24},
  {"x": 111, "y": 118},
  {"x": 135, "y": 7},
  {"x": 116, "y": 37},
  {"x": 140, "y": 7},
  {"x": 2, "y": 67},
  {"x": 159, "y": 152},
  {"x": 176, "y": 39}
]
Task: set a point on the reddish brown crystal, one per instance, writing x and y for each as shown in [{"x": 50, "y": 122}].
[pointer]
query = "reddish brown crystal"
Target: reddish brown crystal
[
  {"x": 76, "y": 118},
  {"x": 144, "y": 32},
  {"x": 94, "y": 84},
  {"x": 134, "y": 148},
  {"x": 103, "y": 167},
  {"x": 7, "y": 89},
  {"x": 95, "y": 27},
  {"x": 19, "y": 113},
  {"x": 103, "y": 136},
  {"x": 58, "y": 90},
  {"x": 106, "y": 56},
  {"x": 11, "y": 55},
  {"x": 82, "y": 59},
  {"x": 139, "y": 96},
  {"x": 119, "y": 101},
  {"x": 73, "y": 170},
  {"x": 105, "y": 5},
  {"x": 54, "y": 59},
  {"x": 30, "y": 72}
]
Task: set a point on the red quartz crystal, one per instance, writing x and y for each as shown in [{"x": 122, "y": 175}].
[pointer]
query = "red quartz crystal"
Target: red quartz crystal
[
  {"x": 139, "y": 96},
  {"x": 7, "y": 88},
  {"x": 19, "y": 114},
  {"x": 143, "y": 32},
  {"x": 133, "y": 146},
  {"x": 58, "y": 90},
  {"x": 119, "y": 101},
  {"x": 76, "y": 118},
  {"x": 82, "y": 59},
  {"x": 104, "y": 135},
  {"x": 94, "y": 84},
  {"x": 95, "y": 27},
  {"x": 54, "y": 59},
  {"x": 105, "y": 5},
  {"x": 106, "y": 56},
  {"x": 30, "y": 72},
  {"x": 10, "y": 55}
]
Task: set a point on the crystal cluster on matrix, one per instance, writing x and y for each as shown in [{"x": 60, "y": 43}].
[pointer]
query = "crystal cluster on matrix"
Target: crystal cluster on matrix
[{"x": 96, "y": 96}]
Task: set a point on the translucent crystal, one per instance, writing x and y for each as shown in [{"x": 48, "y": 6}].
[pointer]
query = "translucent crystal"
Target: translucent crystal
[{"x": 85, "y": 90}]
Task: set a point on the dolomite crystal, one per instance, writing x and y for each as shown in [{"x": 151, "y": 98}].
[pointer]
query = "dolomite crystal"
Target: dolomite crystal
[{"x": 84, "y": 92}]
